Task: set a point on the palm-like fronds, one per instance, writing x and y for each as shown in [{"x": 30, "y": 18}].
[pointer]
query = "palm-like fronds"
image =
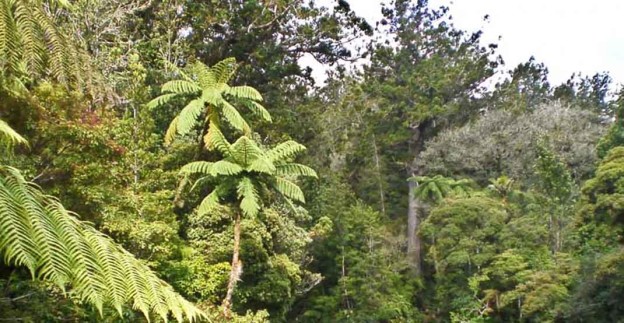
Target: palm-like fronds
[
  {"x": 38, "y": 233},
  {"x": 436, "y": 188},
  {"x": 32, "y": 44},
  {"x": 247, "y": 168},
  {"x": 8, "y": 136},
  {"x": 210, "y": 94}
]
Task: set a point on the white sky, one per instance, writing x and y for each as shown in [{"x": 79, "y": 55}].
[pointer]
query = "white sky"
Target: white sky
[{"x": 567, "y": 35}]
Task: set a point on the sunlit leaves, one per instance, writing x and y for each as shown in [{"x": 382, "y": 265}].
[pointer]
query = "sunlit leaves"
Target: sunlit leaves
[{"x": 38, "y": 233}]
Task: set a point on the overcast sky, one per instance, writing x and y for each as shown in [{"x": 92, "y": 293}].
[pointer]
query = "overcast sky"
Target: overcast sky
[{"x": 567, "y": 35}]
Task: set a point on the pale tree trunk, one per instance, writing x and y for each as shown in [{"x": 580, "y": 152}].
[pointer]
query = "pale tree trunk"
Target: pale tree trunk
[
  {"x": 235, "y": 272},
  {"x": 413, "y": 224},
  {"x": 382, "y": 198},
  {"x": 414, "y": 205}
]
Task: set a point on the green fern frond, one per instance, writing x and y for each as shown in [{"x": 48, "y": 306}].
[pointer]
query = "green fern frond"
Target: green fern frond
[
  {"x": 285, "y": 150},
  {"x": 213, "y": 97},
  {"x": 289, "y": 189},
  {"x": 197, "y": 167},
  {"x": 210, "y": 202},
  {"x": 33, "y": 45},
  {"x": 224, "y": 167},
  {"x": 172, "y": 131},
  {"x": 33, "y": 49},
  {"x": 38, "y": 233},
  {"x": 244, "y": 92},
  {"x": 10, "y": 137},
  {"x": 181, "y": 87},
  {"x": 257, "y": 109},
  {"x": 245, "y": 151},
  {"x": 161, "y": 100},
  {"x": 187, "y": 118},
  {"x": 248, "y": 195},
  {"x": 224, "y": 70},
  {"x": 177, "y": 71},
  {"x": 233, "y": 117},
  {"x": 215, "y": 140},
  {"x": 203, "y": 75},
  {"x": 294, "y": 169},
  {"x": 262, "y": 165}
]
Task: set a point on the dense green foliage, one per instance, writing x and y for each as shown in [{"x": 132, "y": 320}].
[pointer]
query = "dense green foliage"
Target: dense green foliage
[{"x": 214, "y": 180}]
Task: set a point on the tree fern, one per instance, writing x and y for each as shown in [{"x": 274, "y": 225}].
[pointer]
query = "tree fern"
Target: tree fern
[
  {"x": 436, "y": 188},
  {"x": 38, "y": 233},
  {"x": 245, "y": 163},
  {"x": 246, "y": 170},
  {"x": 208, "y": 85}
]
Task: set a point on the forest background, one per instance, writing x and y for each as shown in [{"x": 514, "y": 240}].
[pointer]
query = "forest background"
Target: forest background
[{"x": 174, "y": 127}]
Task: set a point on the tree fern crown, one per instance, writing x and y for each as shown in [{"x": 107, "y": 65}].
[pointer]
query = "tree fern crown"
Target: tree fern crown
[
  {"x": 248, "y": 170},
  {"x": 211, "y": 98}
]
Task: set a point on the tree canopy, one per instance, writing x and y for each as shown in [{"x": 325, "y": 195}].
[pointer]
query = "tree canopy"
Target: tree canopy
[{"x": 172, "y": 160}]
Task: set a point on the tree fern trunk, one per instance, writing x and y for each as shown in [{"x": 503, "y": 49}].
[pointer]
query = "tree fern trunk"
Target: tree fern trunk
[{"x": 236, "y": 270}]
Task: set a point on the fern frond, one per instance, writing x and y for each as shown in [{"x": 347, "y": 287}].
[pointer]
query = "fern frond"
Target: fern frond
[
  {"x": 210, "y": 202},
  {"x": 245, "y": 151},
  {"x": 233, "y": 117},
  {"x": 10, "y": 137},
  {"x": 181, "y": 87},
  {"x": 257, "y": 109},
  {"x": 212, "y": 96},
  {"x": 289, "y": 189},
  {"x": 262, "y": 165},
  {"x": 172, "y": 131},
  {"x": 197, "y": 167},
  {"x": 248, "y": 195},
  {"x": 244, "y": 92},
  {"x": 10, "y": 42},
  {"x": 294, "y": 169},
  {"x": 224, "y": 70},
  {"x": 285, "y": 150},
  {"x": 177, "y": 71},
  {"x": 161, "y": 100},
  {"x": 214, "y": 138},
  {"x": 224, "y": 167},
  {"x": 38, "y": 233},
  {"x": 189, "y": 116},
  {"x": 31, "y": 34},
  {"x": 33, "y": 45},
  {"x": 203, "y": 75}
]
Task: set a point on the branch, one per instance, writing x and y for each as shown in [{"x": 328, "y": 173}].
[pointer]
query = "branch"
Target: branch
[{"x": 268, "y": 24}]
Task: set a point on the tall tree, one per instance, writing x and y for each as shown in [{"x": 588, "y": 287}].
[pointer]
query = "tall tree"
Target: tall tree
[
  {"x": 248, "y": 171},
  {"x": 423, "y": 84},
  {"x": 246, "y": 168}
]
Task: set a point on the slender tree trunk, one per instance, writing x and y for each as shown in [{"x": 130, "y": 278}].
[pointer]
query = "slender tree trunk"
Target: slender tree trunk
[
  {"x": 414, "y": 206},
  {"x": 235, "y": 272},
  {"x": 382, "y": 195},
  {"x": 413, "y": 224}
]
